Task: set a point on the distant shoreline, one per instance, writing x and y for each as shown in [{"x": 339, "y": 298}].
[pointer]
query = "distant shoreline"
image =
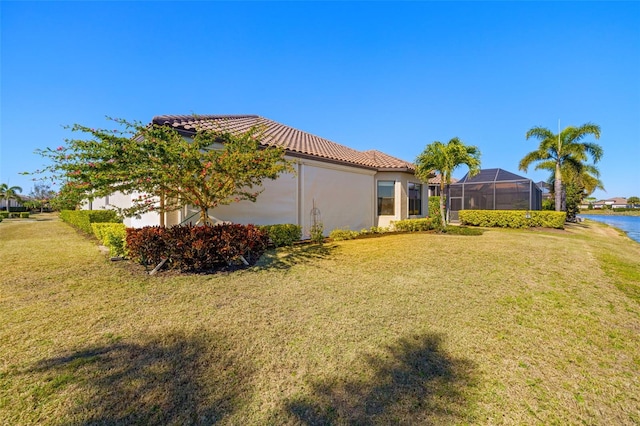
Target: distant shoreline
[{"x": 607, "y": 212}]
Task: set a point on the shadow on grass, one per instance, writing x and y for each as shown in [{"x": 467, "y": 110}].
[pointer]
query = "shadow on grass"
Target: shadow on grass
[
  {"x": 286, "y": 257},
  {"x": 172, "y": 379},
  {"x": 415, "y": 382}
]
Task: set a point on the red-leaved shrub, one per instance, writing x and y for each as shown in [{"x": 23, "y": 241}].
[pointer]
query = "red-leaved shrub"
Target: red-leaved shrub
[{"x": 196, "y": 248}]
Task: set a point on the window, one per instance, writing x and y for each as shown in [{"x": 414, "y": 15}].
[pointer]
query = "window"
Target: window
[
  {"x": 386, "y": 197},
  {"x": 415, "y": 199}
]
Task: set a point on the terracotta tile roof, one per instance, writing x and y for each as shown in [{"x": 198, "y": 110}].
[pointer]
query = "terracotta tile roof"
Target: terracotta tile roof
[{"x": 296, "y": 142}]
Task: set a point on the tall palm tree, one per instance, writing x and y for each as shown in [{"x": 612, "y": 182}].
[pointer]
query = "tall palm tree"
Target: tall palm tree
[
  {"x": 563, "y": 149},
  {"x": 441, "y": 158},
  {"x": 9, "y": 192}
]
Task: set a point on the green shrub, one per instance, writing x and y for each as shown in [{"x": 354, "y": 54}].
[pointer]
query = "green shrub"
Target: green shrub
[
  {"x": 24, "y": 215},
  {"x": 434, "y": 211},
  {"x": 111, "y": 235},
  {"x": 1, "y": 219},
  {"x": 317, "y": 233},
  {"x": 513, "y": 218},
  {"x": 462, "y": 230},
  {"x": 378, "y": 230},
  {"x": 414, "y": 225},
  {"x": 344, "y": 234},
  {"x": 283, "y": 235},
  {"x": 82, "y": 219},
  {"x": 4, "y": 215}
]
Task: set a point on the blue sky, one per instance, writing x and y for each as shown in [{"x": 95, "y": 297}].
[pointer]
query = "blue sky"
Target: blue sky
[{"x": 369, "y": 75}]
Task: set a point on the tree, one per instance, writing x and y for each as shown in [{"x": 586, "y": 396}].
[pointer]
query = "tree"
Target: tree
[
  {"x": 633, "y": 201},
  {"x": 211, "y": 168},
  {"x": 10, "y": 193},
  {"x": 41, "y": 195},
  {"x": 578, "y": 184},
  {"x": 444, "y": 159},
  {"x": 564, "y": 149}
]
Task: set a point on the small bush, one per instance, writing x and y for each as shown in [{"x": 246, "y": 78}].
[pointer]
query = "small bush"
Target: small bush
[
  {"x": 344, "y": 234},
  {"x": 1, "y": 219},
  {"x": 24, "y": 215},
  {"x": 82, "y": 219},
  {"x": 111, "y": 235},
  {"x": 513, "y": 218},
  {"x": 317, "y": 233},
  {"x": 283, "y": 235},
  {"x": 414, "y": 225},
  {"x": 4, "y": 215},
  {"x": 196, "y": 248},
  {"x": 378, "y": 230}
]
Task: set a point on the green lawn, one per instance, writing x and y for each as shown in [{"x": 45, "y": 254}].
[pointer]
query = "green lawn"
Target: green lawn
[{"x": 511, "y": 327}]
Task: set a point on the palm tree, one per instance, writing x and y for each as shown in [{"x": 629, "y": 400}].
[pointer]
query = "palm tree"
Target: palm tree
[
  {"x": 9, "y": 192},
  {"x": 441, "y": 158},
  {"x": 563, "y": 149}
]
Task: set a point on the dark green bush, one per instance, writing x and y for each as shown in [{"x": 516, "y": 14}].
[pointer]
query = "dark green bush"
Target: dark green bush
[
  {"x": 82, "y": 219},
  {"x": 462, "y": 230},
  {"x": 196, "y": 248},
  {"x": 24, "y": 215},
  {"x": 283, "y": 235},
  {"x": 4, "y": 215},
  {"x": 414, "y": 225},
  {"x": 513, "y": 218}
]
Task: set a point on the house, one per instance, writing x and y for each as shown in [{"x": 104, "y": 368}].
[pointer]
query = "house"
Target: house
[
  {"x": 340, "y": 186},
  {"x": 611, "y": 203},
  {"x": 493, "y": 189}
]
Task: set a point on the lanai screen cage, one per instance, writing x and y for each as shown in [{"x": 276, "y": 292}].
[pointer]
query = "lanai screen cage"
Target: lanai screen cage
[{"x": 493, "y": 189}]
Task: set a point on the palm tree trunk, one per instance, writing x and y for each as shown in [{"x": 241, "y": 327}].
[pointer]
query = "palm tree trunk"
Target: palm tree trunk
[
  {"x": 558, "y": 188},
  {"x": 442, "y": 215}
]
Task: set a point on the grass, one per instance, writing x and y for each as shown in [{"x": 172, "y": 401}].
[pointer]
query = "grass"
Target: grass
[{"x": 510, "y": 327}]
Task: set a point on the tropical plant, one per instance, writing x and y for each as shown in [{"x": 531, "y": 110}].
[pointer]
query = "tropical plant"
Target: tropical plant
[
  {"x": 564, "y": 151},
  {"x": 10, "y": 193},
  {"x": 444, "y": 159},
  {"x": 633, "y": 201},
  {"x": 209, "y": 169}
]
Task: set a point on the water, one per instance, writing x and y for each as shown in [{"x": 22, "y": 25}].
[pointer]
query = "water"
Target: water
[{"x": 629, "y": 224}]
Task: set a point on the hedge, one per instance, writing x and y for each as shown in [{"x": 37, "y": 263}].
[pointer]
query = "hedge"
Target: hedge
[
  {"x": 513, "y": 218},
  {"x": 196, "y": 248},
  {"x": 283, "y": 235},
  {"x": 414, "y": 225},
  {"x": 14, "y": 214},
  {"x": 111, "y": 235},
  {"x": 82, "y": 219}
]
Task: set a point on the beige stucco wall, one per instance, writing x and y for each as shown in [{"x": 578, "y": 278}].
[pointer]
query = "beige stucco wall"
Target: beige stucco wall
[
  {"x": 344, "y": 196},
  {"x": 401, "y": 210}
]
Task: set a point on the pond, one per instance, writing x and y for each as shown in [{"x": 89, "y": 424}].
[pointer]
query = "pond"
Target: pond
[{"x": 629, "y": 224}]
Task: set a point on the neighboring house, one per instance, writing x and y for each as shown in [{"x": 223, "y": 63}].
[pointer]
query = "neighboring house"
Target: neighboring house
[
  {"x": 546, "y": 190},
  {"x": 14, "y": 205},
  {"x": 493, "y": 189},
  {"x": 434, "y": 185},
  {"x": 614, "y": 203},
  {"x": 348, "y": 188}
]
